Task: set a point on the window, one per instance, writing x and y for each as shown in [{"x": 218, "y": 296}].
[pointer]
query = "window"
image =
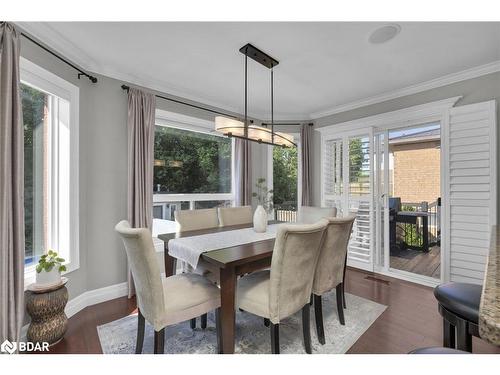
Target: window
[
  {"x": 50, "y": 121},
  {"x": 284, "y": 179},
  {"x": 192, "y": 167}
]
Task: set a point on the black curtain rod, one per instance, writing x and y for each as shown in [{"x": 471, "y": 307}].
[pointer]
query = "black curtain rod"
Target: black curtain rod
[
  {"x": 80, "y": 72},
  {"x": 125, "y": 87}
]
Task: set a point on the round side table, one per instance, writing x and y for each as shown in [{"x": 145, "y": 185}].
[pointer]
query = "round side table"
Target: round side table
[{"x": 46, "y": 308}]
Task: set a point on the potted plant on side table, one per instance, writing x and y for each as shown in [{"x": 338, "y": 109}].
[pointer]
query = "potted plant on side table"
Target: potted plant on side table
[{"x": 48, "y": 270}]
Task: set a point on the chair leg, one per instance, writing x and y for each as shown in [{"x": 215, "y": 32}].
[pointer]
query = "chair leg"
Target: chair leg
[
  {"x": 311, "y": 300},
  {"x": 218, "y": 329},
  {"x": 159, "y": 341},
  {"x": 340, "y": 307},
  {"x": 141, "y": 324},
  {"x": 318, "y": 314},
  {"x": 192, "y": 323},
  {"x": 343, "y": 283},
  {"x": 267, "y": 322},
  {"x": 203, "y": 321},
  {"x": 306, "y": 328},
  {"x": 464, "y": 338},
  {"x": 448, "y": 334},
  {"x": 275, "y": 338}
]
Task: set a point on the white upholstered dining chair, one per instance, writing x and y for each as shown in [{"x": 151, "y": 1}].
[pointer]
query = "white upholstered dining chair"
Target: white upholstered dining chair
[
  {"x": 196, "y": 219},
  {"x": 189, "y": 220},
  {"x": 329, "y": 272},
  {"x": 310, "y": 214},
  {"x": 286, "y": 288},
  {"x": 235, "y": 215},
  {"x": 164, "y": 301}
]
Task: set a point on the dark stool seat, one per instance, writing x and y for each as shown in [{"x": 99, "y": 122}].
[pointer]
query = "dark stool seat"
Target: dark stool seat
[
  {"x": 437, "y": 350},
  {"x": 460, "y": 298},
  {"x": 459, "y": 307}
]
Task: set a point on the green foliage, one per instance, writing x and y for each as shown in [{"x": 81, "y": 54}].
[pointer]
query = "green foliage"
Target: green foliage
[
  {"x": 285, "y": 176},
  {"x": 355, "y": 159},
  {"x": 193, "y": 162},
  {"x": 34, "y": 103},
  {"x": 263, "y": 195},
  {"x": 50, "y": 260}
]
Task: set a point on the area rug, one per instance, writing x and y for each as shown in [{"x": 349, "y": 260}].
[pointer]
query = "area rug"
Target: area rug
[{"x": 252, "y": 337}]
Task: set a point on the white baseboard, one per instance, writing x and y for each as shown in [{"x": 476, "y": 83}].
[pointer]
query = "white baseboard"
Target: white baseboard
[
  {"x": 89, "y": 298},
  {"x": 95, "y": 296}
]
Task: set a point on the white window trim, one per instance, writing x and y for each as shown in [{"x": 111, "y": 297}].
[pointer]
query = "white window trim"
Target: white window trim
[
  {"x": 194, "y": 124},
  {"x": 45, "y": 81}
]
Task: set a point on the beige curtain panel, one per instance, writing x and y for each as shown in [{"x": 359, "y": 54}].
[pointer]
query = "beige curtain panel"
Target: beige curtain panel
[
  {"x": 243, "y": 171},
  {"x": 141, "y": 129},
  {"x": 11, "y": 187},
  {"x": 306, "y": 141}
]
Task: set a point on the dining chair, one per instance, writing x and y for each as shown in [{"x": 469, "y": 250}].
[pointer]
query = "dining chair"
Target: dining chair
[
  {"x": 285, "y": 289},
  {"x": 311, "y": 214},
  {"x": 235, "y": 215},
  {"x": 329, "y": 272},
  {"x": 168, "y": 300},
  {"x": 196, "y": 219},
  {"x": 188, "y": 220}
]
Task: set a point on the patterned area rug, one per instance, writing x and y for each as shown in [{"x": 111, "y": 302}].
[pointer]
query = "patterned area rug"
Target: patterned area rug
[{"x": 252, "y": 337}]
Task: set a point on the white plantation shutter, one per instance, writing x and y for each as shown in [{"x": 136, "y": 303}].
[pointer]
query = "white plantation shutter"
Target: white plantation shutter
[{"x": 470, "y": 188}]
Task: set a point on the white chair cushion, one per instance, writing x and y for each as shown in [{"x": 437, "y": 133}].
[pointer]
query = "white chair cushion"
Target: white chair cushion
[
  {"x": 235, "y": 215},
  {"x": 253, "y": 293},
  {"x": 187, "y": 296}
]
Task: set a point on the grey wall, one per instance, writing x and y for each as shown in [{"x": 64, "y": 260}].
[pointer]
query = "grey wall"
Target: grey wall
[
  {"x": 473, "y": 91},
  {"x": 103, "y": 171}
]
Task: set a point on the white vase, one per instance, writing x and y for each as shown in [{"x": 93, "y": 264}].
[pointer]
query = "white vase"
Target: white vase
[
  {"x": 260, "y": 220},
  {"x": 46, "y": 279}
]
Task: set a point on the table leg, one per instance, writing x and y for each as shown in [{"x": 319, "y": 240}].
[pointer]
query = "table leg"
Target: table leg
[
  {"x": 227, "y": 311},
  {"x": 170, "y": 262}
]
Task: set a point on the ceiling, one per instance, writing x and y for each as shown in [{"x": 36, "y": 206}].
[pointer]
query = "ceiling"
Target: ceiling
[{"x": 323, "y": 66}]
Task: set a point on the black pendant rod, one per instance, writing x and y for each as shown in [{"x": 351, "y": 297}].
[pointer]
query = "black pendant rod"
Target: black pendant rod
[
  {"x": 125, "y": 87},
  {"x": 245, "y": 126},
  {"x": 80, "y": 72}
]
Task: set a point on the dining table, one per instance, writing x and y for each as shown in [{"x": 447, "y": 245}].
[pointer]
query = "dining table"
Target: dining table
[{"x": 229, "y": 262}]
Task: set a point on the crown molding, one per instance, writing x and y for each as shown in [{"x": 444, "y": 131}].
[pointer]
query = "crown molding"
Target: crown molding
[{"x": 448, "y": 79}]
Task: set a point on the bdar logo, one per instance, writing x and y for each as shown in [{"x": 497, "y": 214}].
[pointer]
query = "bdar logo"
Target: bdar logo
[{"x": 8, "y": 347}]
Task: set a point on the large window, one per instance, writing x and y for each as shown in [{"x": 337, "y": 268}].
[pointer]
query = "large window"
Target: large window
[
  {"x": 192, "y": 169},
  {"x": 50, "y": 121}
]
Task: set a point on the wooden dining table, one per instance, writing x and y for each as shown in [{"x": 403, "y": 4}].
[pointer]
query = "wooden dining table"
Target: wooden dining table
[{"x": 230, "y": 262}]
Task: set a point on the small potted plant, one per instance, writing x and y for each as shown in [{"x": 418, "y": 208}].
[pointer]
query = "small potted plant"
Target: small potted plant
[
  {"x": 48, "y": 269},
  {"x": 265, "y": 205}
]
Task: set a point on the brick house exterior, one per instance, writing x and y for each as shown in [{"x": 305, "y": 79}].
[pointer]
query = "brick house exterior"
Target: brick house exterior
[{"x": 416, "y": 173}]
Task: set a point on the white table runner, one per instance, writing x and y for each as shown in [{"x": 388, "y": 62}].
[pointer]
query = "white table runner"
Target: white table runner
[{"x": 189, "y": 249}]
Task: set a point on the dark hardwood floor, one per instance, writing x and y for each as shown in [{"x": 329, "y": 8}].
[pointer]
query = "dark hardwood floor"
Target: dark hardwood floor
[
  {"x": 410, "y": 321},
  {"x": 419, "y": 262}
]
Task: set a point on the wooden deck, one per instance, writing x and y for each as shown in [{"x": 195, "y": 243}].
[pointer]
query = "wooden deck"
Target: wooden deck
[{"x": 427, "y": 264}]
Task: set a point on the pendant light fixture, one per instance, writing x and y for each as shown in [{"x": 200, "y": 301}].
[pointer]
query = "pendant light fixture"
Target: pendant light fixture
[{"x": 244, "y": 130}]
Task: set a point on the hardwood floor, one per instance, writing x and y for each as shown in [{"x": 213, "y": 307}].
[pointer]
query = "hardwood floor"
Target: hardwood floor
[{"x": 410, "y": 321}]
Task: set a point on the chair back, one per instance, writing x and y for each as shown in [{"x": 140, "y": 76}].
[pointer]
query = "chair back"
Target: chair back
[
  {"x": 196, "y": 219},
  {"x": 330, "y": 268},
  {"x": 145, "y": 270},
  {"x": 295, "y": 255},
  {"x": 309, "y": 214},
  {"x": 235, "y": 215}
]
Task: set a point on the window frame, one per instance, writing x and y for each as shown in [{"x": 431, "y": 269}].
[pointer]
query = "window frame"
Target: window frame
[
  {"x": 193, "y": 124},
  {"x": 45, "y": 81}
]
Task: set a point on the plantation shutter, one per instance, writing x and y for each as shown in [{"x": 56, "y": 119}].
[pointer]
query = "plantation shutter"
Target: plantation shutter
[{"x": 470, "y": 189}]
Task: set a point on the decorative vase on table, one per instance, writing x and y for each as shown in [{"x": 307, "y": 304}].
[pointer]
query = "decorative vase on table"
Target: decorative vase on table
[{"x": 260, "y": 219}]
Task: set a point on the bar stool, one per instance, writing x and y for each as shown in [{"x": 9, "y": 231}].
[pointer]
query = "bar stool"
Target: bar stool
[{"x": 459, "y": 307}]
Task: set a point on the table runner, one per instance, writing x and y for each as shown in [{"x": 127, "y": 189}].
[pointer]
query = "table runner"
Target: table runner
[{"x": 189, "y": 249}]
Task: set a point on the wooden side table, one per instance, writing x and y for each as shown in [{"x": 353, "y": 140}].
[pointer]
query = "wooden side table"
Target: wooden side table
[{"x": 46, "y": 308}]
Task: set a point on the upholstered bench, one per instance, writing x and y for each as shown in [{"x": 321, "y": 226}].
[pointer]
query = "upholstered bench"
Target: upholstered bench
[{"x": 459, "y": 307}]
